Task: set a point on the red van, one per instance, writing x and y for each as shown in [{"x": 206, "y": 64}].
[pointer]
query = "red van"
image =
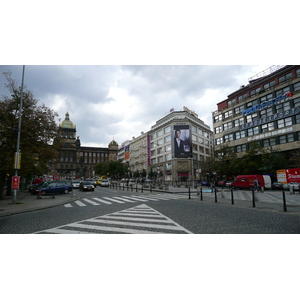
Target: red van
[{"x": 247, "y": 181}]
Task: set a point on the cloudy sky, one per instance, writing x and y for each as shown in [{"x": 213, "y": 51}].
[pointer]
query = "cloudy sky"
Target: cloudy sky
[{"x": 119, "y": 102}]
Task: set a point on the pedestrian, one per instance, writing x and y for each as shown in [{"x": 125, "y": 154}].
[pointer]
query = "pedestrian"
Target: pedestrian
[
  {"x": 213, "y": 186},
  {"x": 256, "y": 184}
]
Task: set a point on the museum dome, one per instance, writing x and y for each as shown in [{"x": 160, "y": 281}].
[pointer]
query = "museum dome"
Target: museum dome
[{"x": 67, "y": 123}]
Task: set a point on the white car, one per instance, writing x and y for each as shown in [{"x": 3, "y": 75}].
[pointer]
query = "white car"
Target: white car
[
  {"x": 75, "y": 184},
  {"x": 104, "y": 182},
  {"x": 294, "y": 185}
]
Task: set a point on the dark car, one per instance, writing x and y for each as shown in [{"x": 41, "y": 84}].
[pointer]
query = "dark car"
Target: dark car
[
  {"x": 277, "y": 186},
  {"x": 92, "y": 181},
  {"x": 205, "y": 182},
  {"x": 86, "y": 186},
  {"x": 56, "y": 188}
]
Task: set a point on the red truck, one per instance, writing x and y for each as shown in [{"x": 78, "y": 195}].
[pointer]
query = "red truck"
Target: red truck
[{"x": 247, "y": 181}]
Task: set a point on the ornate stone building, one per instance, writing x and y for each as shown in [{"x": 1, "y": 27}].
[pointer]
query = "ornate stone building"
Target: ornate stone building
[{"x": 76, "y": 160}]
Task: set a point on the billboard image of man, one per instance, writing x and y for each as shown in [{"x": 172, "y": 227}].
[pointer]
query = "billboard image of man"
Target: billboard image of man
[{"x": 181, "y": 143}]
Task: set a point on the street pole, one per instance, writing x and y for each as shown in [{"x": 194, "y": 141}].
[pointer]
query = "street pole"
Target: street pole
[{"x": 17, "y": 157}]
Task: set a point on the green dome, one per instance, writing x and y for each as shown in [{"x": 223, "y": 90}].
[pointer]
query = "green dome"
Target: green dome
[{"x": 67, "y": 123}]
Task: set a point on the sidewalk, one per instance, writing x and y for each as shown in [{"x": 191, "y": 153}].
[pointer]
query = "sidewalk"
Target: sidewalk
[{"x": 26, "y": 202}]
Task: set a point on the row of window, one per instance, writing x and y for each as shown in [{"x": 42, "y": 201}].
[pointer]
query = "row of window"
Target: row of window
[
  {"x": 168, "y": 157},
  {"x": 292, "y": 88},
  {"x": 282, "y": 123},
  {"x": 273, "y": 141},
  {"x": 261, "y": 114}
]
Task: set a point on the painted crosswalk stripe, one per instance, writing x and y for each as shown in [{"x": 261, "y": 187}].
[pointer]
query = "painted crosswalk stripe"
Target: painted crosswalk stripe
[
  {"x": 101, "y": 200},
  {"x": 151, "y": 222},
  {"x": 113, "y": 200},
  {"x": 126, "y": 200},
  {"x": 79, "y": 203},
  {"x": 68, "y": 205},
  {"x": 134, "y": 198},
  {"x": 90, "y": 201}
]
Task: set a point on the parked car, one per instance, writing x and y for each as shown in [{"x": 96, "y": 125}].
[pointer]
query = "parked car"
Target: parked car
[
  {"x": 75, "y": 184},
  {"x": 228, "y": 183},
  {"x": 294, "y": 185},
  {"x": 277, "y": 186},
  {"x": 35, "y": 189},
  {"x": 56, "y": 188},
  {"x": 104, "y": 182},
  {"x": 86, "y": 186},
  {"x": 221, "y": 183},
  {"x": 205, "y": 182}
]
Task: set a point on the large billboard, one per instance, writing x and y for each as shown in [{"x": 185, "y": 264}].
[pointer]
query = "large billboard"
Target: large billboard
[{"x": 181, "y": 144}]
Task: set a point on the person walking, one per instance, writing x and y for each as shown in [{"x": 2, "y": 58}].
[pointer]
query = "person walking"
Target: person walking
[{"x": 256, "y": 184}]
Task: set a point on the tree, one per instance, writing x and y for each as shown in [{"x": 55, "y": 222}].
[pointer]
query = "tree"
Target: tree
[
  {"x": 113, "y": 168},
  {"x": 38, "y": 131}
]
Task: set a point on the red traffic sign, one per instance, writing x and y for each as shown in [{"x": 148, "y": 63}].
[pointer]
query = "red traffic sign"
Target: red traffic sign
[{"x": 15, "y": 182}]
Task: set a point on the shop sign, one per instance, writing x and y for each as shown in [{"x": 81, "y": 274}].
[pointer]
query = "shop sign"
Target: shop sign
[
  {"x": 266, "y": 104},
  {"x": 281, "y": 115}
]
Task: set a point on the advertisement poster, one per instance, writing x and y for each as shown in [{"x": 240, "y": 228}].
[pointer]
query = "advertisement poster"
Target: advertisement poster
[{"x": 182, "y": 141}]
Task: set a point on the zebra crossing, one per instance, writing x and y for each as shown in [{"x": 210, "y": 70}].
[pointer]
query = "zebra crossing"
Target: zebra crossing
[
  {"x": 122, "y": 199},
  {"x": 140, "y": 219}
]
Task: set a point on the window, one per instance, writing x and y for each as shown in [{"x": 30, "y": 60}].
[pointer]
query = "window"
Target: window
[
  {"x": 228, "y": 138},
  {"x": 216, "y": 119},
  {"x": 231, "y": 102},
  {"x": 284, "y": 122},
  {"x": 194, "y": 138},
  {"x": 159, "y": 133},
  {"x": 153, "y": 152},
  {"x": 159, "y": 142},
  {"x": 168, "y": 156},
  {"x": 168, "y": 148},
  {"x": 240, "y": 135},
  {"x": 159, "y": 150},
  {"x": 227, "y": 125},
  {"x": 160, "y": 159},
  {"x": 268, "y": 85},
  {"x": 297, "y": 86},
  {"x": 167, "y": 129},
  {"x": 239, "y": 109},
  {"x": 267, "y": 127},
  {"x": 238, "y": 122},
  {"x": 253, "y": 131},
  {"x": 241, "y": 148},
  {"x": 194, "y": 129},
  {"x": 255, "y": 91},
  {"x": 218, "y": 129},
  {"x": 296, "y": 102},
  {"x": 242, "y": 97},
  {"x": 218, "y": 141},
  {"x": 298, "y": 119},
  {"x": 167, "y": 138},
  {"x": 285, "y": 77},
  {"x": 227, "y": 114},
  {"x": 252, "y": 117},
  {"x": 153, "y": 161}
]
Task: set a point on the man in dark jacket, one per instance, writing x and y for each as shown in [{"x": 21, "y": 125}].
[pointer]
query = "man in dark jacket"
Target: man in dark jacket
[{"x": 178, "y": 143}]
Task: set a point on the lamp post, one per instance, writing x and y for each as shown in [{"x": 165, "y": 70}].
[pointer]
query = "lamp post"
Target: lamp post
[{"x": 17, "y": 154}]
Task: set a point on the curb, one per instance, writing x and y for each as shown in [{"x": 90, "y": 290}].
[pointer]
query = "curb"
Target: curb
[{"x": 37, "y": 208}]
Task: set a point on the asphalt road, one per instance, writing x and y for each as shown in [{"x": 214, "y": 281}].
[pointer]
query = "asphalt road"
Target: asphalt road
[{"x": 108, "y": 211}]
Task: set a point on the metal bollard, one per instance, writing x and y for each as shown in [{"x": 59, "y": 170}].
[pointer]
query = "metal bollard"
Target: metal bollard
[
  {"x": 232, "y": 200},
  {"x": 189, "y": 193},
  {"x": 253, "y": 200},
  {"x": 201, "y": 194},
  {"x": 216, "y": 196},
  {"x": 284, "y": 202}
]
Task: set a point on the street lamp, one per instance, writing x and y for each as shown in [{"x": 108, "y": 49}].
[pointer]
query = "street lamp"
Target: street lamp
[{"x": 17, "y": 153}]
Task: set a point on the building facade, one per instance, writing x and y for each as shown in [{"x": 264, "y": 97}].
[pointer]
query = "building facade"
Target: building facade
[
  {"x": 75, "y": 160},
  {"x": 266, "y": 111},
  {"x": 176, "y": 160}
]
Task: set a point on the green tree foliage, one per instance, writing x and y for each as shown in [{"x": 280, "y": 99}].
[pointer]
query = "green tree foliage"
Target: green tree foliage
[
  {"x": 113, "y": 168},
  {"x": 38, "y": 131}
]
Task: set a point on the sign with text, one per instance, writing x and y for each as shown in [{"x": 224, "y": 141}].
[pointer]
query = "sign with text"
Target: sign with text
[{"x": 15, "y": 184}]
